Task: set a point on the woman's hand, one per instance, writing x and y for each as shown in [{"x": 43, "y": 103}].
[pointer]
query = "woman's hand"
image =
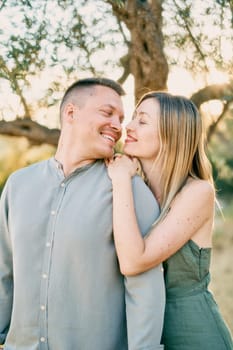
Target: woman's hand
[{"x": 121, "y": 166}]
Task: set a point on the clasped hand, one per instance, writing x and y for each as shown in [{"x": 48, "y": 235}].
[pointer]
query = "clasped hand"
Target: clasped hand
[{"x": 122, "y": 166}]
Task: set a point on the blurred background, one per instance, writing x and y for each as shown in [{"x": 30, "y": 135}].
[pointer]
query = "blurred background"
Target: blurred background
[{"x": 184, "y": 47}]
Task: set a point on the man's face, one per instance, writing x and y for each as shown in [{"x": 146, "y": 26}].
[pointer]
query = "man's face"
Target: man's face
[{"x": 97, "y": 123}]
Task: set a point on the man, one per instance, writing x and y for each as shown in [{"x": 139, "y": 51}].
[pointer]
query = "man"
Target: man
[{"x": 60, "y": 285}]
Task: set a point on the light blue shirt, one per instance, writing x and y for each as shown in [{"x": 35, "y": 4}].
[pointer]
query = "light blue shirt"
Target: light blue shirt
[{"x": 60, "y": 284}]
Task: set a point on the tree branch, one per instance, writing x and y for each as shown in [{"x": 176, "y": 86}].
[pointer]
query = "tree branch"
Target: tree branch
[
  {"x": 34, "y": 132},
  {"x": 214, "y": 125},
  {"x": 12, "y": 78},
  {"x": 3, "y": 4},
  {"x": 118, "y": 8},
  {"x": 192, "y": 38},
  {"x": 222, "y": 92},
  {"x": 125, "y": 63}
]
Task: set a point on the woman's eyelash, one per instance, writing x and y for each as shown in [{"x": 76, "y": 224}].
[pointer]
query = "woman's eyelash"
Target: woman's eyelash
[{"x": 106, "y": 112}]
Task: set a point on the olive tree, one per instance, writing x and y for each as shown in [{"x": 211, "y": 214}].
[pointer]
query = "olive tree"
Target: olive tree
[{"x": 143, "y": 39}]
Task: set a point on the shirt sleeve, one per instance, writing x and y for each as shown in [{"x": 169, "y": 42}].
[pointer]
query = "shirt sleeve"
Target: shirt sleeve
[
  {"x": 145, "y": 293},
  {"x": 6, "y": 269}
]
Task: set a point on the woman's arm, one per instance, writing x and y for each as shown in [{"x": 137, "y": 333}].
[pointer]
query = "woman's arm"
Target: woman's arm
[{"x": 191, "y": 214}]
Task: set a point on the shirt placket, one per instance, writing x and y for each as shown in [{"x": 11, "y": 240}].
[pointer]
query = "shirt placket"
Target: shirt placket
[{"x": 45, "y": 276}]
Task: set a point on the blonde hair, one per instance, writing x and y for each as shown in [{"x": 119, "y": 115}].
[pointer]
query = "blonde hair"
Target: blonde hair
[{"x": 182, "y": 146}]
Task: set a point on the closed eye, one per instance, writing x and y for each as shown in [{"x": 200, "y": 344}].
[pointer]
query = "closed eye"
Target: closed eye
[
  {"x": 106, "y": 112},
  {"x": 142, "y": 122},
  {"x": 139, "y": 118}
]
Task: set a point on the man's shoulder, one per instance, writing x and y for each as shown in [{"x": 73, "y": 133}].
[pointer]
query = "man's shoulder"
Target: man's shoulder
[
  {"x": 141, "y": 190},
  {"x": 29, "y": 170},
  {"x": 146, "y": 206}
]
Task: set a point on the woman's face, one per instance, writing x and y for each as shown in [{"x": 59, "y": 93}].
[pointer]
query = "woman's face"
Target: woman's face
[{"x": 142, "y": 139}]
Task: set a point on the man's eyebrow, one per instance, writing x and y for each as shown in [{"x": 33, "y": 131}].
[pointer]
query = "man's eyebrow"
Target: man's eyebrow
[{"x": 108, "y": 105}]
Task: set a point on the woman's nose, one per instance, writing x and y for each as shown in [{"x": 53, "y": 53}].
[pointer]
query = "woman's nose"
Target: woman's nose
[{"x": 130, "y": 125}]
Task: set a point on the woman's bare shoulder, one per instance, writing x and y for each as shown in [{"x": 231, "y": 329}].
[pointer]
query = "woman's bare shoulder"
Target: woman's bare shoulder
[{"x": 197, "y": 188}]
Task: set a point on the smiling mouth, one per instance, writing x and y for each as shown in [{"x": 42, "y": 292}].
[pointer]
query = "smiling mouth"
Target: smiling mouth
[
  {"x": 130, "y": 139},
  {"x": 108, "y": 137}
]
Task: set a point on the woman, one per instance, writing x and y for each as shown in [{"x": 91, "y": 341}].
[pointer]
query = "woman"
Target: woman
[{"x": 166, "y": 136}]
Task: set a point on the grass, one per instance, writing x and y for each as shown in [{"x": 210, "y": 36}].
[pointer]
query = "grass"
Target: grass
[{"x": 222, "y": 262}]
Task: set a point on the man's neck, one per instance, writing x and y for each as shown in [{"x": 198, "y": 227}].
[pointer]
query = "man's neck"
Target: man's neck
[{"x": 69, "y": 164}]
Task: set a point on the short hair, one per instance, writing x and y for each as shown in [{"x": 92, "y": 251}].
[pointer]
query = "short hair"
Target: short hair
[{"x": 89, "y": 83}]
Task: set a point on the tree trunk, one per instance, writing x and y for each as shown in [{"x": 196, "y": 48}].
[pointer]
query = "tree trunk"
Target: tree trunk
[{"x": 147, "y": 61}]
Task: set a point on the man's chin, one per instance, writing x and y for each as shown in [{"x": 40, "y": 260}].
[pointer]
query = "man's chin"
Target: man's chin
[{"x": 108, "y": 154}]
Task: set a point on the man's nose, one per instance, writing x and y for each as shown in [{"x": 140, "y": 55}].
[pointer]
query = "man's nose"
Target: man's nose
[{"x": 116, "y": 124}]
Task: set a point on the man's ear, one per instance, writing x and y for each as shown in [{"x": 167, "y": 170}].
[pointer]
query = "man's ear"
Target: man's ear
[{"x": 69, "y": 111}]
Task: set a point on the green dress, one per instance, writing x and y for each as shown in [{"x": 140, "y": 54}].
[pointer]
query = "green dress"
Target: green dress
[{"x": 192, "y": 318}]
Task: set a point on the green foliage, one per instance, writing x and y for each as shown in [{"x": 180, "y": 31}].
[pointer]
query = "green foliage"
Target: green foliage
[
  {"x": 201, "y": 29},
  {"x": 224, "y": 183},
  {"x": 221, "y": 148},
  {"x": 17, "y": 153},
  {"x": 41, "y": 35}
]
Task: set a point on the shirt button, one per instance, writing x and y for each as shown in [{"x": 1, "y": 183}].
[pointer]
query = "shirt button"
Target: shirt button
[
  {"x": 42, "y": 307},
  {"x": 53, "y": 212},
  {"x": 44, "y": 275},
  {"x": 62, "y": 184},
  {"x": 48, "y": 244},
  {"x": 42, "y": 339}
]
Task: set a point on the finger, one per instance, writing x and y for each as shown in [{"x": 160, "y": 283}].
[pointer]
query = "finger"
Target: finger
[
  {"x": 117, "y": 155},
  {"x": 106, "y": 161}
]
